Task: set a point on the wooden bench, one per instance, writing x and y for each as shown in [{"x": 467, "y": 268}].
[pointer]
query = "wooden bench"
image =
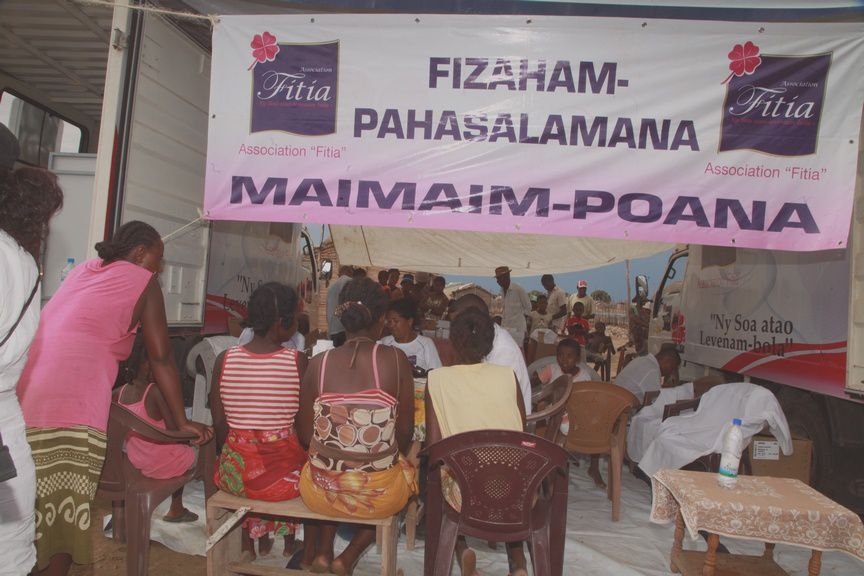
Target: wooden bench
[{"x": 223, "y": 559}]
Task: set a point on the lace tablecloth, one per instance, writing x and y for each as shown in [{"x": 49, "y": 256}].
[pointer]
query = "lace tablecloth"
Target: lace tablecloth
[{"x": 778, "y": 510}]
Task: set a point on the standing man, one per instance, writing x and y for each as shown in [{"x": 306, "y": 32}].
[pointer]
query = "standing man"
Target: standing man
[
  {"x": 556, "y": 302},
  {"x": 408, "y": 287},
  {"x": 335, "y": 330},
  {"x": 383, "y": 276},
  {"x": 392, "y": 289},
  {"x": 517, "y": 306},
  {"x": 582, "y": 296}
]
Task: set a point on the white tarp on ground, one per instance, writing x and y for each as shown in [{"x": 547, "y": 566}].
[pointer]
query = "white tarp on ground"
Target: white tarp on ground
[
  {"x": 595, "y": 545},
  {"x": 478, "y": 253}
]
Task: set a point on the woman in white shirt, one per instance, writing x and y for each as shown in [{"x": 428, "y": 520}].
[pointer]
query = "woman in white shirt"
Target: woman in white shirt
[{"x": 402, "y": 315}]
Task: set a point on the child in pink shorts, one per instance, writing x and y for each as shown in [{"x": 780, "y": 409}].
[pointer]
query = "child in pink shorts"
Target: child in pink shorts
[{"x": 159, "y": 461}]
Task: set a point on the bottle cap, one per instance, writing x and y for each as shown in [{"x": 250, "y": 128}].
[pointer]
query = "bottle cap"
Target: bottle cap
[
  {"x": 70, "y": 260},
  {"x": 736, "y": 421}
]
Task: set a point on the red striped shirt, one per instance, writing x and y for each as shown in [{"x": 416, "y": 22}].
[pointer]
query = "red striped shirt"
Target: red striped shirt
[{"x": 260, "y": 391}]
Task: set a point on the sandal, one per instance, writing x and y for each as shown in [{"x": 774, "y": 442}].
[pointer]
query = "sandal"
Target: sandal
[{"x": 186, "y": 516}]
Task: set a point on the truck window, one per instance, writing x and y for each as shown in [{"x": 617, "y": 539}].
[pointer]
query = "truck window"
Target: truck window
[
  {"x": 39, "y": 130},
  {"x": 669, "y": 291},
  {"x": 717, "y": 256}
]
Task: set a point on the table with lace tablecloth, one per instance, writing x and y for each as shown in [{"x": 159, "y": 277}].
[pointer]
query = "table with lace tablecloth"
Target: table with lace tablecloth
[{"x": 770, "y": 510}]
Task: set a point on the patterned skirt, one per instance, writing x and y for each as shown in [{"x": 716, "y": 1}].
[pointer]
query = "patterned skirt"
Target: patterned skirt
[
  {"x": 68, "y": 465},
  {"x": 262, "y": 465},
  {"x": 357, "y": 493}
]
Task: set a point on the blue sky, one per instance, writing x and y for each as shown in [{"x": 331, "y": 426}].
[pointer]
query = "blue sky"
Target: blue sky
[{"x": 611, "y": 278}]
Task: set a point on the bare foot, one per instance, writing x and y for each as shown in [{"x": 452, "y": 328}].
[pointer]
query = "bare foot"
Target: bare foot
[
  {"x": 265, "y": 545},
  {"x": 594, "y": 474},
  {"x": 339, "y": 568},
  {"x": 468, "y": 563},
  {"x": 247, "y": 556},
  {"x": 291, "y": 547},
  {"x": 320, "y": 565}
]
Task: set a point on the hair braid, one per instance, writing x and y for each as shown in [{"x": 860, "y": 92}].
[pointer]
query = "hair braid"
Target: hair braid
[{"x": 127, "y": 237}]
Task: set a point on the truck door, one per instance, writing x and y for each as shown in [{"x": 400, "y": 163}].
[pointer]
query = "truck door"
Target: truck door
[
  {"x": 665, "y": 325},
  {"x": 162, "y": 178}
]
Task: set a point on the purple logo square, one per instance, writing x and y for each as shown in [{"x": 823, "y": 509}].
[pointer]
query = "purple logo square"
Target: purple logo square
[
  {"x": 776, "y": 109},
  {"x": 296, "y": 91}
]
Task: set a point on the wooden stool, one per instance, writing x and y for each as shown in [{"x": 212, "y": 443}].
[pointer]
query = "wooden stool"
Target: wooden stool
[{"x": 223, "y": 559}]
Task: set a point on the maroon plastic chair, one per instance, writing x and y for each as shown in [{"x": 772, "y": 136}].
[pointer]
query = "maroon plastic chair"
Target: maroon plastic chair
[
  {"x": 133, "y": 495},
  {"x": 499, "y": 473}
]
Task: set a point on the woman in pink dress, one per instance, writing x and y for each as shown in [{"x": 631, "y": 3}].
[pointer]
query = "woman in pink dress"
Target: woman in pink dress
[
  {"x": 142, "y": 397},
  {"x": 86, "y": 329}
]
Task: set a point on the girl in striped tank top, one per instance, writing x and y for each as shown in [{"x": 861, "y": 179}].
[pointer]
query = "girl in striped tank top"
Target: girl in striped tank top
[
  {"x": 357, "y": 417},
  {"x": 254, "y": 399}
]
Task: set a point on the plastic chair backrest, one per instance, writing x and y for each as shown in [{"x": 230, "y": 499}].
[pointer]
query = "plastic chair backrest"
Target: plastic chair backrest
[
  {"x": 593, "y": 411},
  {"x": 541, "y": 363},
  {"x": 705, "y": 383},
  {"x": 676, "y": 408},
  {"x": 498, "y": 473},
  {"x": 550, "y": 403},
  {"x": 122, "y": 421},
  {"x": 650, "y": 397}
]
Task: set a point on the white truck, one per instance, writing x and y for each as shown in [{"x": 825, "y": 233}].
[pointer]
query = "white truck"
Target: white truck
[
  {"x": 116, "y": 104},
  {"x": 789, "y": 320}
]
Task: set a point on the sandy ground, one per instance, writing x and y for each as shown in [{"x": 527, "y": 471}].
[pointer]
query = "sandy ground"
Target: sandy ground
[{"x": 109, "y": 558}]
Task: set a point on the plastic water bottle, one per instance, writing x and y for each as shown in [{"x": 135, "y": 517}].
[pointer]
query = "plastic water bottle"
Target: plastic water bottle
[
  {"x": 727, "y": 476},
  {"x": 70, "y": 264}
]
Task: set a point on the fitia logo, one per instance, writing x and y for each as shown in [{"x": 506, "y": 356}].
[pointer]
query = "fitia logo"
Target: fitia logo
[
  {"x": 294, "y": 86},
  {"x": 773, "y": 103}
]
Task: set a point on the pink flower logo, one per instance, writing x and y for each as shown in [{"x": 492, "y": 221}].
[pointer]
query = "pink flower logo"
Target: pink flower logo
[
  {"x": 743, "y": 60},
  {"x": 264, "y": 48}
]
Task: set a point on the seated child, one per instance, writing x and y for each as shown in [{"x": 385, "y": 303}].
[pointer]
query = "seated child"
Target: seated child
[
  {"x": 599, "y": 345},
  {"x": 569, "y": 356},
  {"x": 141, "y": 396},
  {"x": 577, "y": 327}
]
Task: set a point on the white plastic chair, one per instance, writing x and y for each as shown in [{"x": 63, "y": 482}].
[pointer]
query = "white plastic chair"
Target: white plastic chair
[
  {"x": 685, "y": 438},
  {"x": 207, "y": 350}
]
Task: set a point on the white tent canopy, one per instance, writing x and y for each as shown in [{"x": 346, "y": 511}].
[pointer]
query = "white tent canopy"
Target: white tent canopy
[{"x": 478, "y": 253}]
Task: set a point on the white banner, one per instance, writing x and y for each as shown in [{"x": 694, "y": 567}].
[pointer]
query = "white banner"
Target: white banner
[{"x": 672, "y": 131}]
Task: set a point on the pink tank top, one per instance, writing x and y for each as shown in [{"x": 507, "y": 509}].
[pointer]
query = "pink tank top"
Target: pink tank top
[
  {"x": 155, "y": 460},
  {"x": 83, "y": 334}
]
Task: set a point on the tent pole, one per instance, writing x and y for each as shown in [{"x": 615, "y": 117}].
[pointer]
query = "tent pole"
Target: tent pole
[{"x": 627, "y": 268}]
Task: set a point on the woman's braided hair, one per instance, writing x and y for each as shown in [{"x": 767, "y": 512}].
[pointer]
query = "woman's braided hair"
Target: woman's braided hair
[
  {"x": 362, "y": 302},
  {"x": 127, "y": 237},
  {"x": 28, "y": 198},
  {"x": 472, "y": 334},
  {"x": 268, "y": 303}
]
